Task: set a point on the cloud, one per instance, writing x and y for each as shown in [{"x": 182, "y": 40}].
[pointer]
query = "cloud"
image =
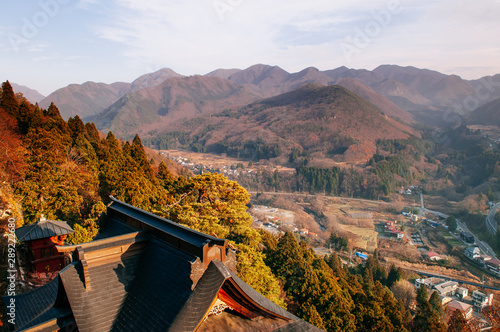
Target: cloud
[{"x": 198, "y": 36}]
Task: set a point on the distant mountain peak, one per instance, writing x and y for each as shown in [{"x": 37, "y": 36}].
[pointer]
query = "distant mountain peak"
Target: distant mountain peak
[
  {"x": 32, "y": 95},
  {"x": 152, "y": 79},
  {"x": 222, "y": 73}
]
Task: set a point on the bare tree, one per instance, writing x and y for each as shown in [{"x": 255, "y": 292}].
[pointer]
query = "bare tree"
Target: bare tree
[{"x": 405, "y": 291}]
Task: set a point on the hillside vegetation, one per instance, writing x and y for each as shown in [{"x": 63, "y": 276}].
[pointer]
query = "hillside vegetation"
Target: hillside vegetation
[
  {"x": 64, "y": 170},
  {"x": 330, "y": 122}
]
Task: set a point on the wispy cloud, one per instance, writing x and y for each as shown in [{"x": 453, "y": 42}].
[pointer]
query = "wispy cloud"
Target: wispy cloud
[
  {"x": 189, "y": 36},
  {"x": 121, "y": 38}
]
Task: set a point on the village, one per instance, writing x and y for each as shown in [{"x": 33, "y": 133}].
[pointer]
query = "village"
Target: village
[
  {"x": 377, "y": 230},
  {"x": 469, "y": 296}
]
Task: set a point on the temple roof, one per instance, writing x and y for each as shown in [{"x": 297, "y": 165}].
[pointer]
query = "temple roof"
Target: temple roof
[
  {"x": 43, "y": 229},
  {"x": 43, "y": 306},
  {"x": 152, "y": 275}
]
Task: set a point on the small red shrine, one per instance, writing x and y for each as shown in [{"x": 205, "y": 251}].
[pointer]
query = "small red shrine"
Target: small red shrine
[{"x": 41, "y": 238}]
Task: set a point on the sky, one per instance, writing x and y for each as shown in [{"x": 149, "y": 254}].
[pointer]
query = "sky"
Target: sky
[{"x": 49, "y": 44}]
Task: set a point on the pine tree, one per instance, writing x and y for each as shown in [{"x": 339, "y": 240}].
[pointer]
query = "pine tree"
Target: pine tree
[
  {"x": 435, "y": 302},
  {"x": 422, "y": 296},
  {"x": 93, "y": 133},
  {"x": 139, "y": 155},
  {"x": 395, "y": 274},
  {"x": 76, "y": 125},
  {"x": 426, "y": 319},
  {"x": 166, "y": 178},
  {"x": 309, "y": 313},
  {"x": 9, "y": 101}
]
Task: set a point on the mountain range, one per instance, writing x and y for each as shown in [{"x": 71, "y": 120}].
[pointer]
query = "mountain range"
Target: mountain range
[
  {"x": 409, "y": 88},
  {"x": 165, "y": 102}
]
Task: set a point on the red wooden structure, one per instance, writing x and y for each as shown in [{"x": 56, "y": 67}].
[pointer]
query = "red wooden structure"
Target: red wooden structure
[{"x": 41, "y": 238}]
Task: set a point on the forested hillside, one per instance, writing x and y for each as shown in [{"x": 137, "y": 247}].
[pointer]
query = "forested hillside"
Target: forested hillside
[{"x": 65, "y": 171}]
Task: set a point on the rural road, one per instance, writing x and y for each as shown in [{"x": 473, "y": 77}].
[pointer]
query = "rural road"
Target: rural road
[
  {"x": 490, "y": 219},
  {"x": 482, "y": 245}
]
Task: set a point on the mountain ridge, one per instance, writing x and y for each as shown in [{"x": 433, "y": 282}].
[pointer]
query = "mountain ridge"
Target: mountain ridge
[
  {"x": 409, "y": 88},
  {"x": 326, "y": 121},
  {"x": 32, "y": 95}
]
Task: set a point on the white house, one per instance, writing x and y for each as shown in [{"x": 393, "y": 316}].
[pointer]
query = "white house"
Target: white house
[
  {"x": 472, "y": 252},
  {"x": 462, "y": 292},
  {"x": 481, "y": 300}
]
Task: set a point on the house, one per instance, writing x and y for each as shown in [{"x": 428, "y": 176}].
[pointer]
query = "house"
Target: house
[
  {"x": 433, "y": 256},
  {"x": 467, "y": 237},
  {"x": 482, "y": 259},
  {"x": 428, "y": 282},
  {"x": 303, "y": 231},
  {"x": 481, "y": 300},
  {"x": 493, "y": 265},
  {"x": 41, "y": 239},
  {"x": 464, "y": 308},
  {"x": 446, "y": 288},
  {"x": 390, "y": 228},
  {"x": 462, "y": 292},
  {"x": 389, "y": 224},
  {"x": 146, "y": 273},
  {"x": 472, "y": 252}
]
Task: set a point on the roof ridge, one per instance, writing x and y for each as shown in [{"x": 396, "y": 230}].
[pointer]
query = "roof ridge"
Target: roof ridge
[
  {"x": 169, "y": 222},
  {"x": 32, "y": 226}
]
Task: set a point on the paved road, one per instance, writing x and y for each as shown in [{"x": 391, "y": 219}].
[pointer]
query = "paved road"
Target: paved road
[
  {"x": 429, "y": 274},
  {"x": 422, "y": 208},
  {"x": 482, "y": 245},
  {"x": 490, "y": 219}
]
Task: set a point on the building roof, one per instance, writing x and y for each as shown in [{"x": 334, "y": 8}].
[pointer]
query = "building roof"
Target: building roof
[
  {"x": 493, "y": 261},
  {"x": 154, "y": 276},
  {"x": 446, "y": 287},
  {"x": 473, "y": 250},
  {"x": 457, "y": 305},
  {"x": 43, "y": 229},
  {"x": 43, "y": 305}
]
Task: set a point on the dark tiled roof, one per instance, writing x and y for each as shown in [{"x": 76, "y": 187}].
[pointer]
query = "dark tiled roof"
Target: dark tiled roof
[
  {"x": 182, "y": 237},
  {"x": 218, "y": 276},
  {"x": 112, "y": 229},
  {"x": 41, "y": 305},
  {"x": 202, "y": 298},
  {"x": 43, "y": 229},
  {"x": 95, "y": 309},
  {"x": 142, "y": 281},
  {"x": 161, "y": 288}
]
